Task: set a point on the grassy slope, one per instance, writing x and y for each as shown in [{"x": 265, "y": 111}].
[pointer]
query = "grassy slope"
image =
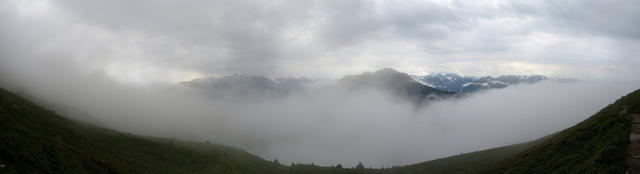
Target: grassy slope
[
  {"x": 467, "y": 163},
  {"x": 33, "y": 139},
  {"x": 36, "y": 140},
  {"x": 595, "y": 145}
]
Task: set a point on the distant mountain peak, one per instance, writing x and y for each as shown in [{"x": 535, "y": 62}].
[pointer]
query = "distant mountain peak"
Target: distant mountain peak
[
  {"x": 240, "y": 85},
  {"x": 382, "y": 76},
  {"x": 465, "y": 84},
  {"x": 415, "y": 87},
  {"x": 396, "y": 82},
  {"x": 386, "y": 71}
]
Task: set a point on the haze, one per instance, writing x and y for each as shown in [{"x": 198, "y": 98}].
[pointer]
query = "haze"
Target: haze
[{"x": 117, "y": 64}]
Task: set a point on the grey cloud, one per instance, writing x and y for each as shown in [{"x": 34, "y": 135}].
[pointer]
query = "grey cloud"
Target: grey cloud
[
  {"x": 269, "y": 37},
  {"x": 324, "y": 126},
  {"x": 62, "y": 57},
  {"x": 617, "y": 18},
  {"x": 240, "y": 36},
  {"x": 60, "y": 61},
  {"x": 237, "y": 34}
]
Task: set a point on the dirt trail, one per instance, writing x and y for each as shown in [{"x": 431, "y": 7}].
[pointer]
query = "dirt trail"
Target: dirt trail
[{"x": 634, "y": 146}]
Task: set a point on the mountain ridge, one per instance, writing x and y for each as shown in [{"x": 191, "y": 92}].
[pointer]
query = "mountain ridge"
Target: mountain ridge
[
  {"x": 396, "y": 82},
  {"x": 416, "y": 89},
  {"x": 446, "y": 82},
  {"x": 453, "y": 82}
]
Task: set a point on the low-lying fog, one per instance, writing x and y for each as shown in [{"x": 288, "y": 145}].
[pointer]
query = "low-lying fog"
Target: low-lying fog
[
  {"x": 100, "y": 62},
  {"x": 325, "y": 125}
]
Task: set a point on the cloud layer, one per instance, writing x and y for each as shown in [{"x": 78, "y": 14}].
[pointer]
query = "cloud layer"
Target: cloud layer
[
  {"x": 112, "y": 62},
  {"x": 327, "y": 125},
  {"x": 159, "y": 41}
]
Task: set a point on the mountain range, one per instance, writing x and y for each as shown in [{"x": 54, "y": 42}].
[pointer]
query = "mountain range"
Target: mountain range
[
  {"x": 400, "y": 84},
  {"x": 248, "y": 85},
  {"x": 467, "y": 84},
  {"x": 415, "y": 88}
]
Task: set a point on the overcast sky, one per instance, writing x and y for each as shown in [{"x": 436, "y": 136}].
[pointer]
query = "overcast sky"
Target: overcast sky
[
  {"x": 142, "y": 41},
  {"x": 81, "y": 57}
]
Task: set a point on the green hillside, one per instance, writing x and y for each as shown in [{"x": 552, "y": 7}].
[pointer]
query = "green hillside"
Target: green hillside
[
  {"x": 596, "y": 145},
  {"x": 467, "y": 163},
  {"x": 36, "y": 140}
]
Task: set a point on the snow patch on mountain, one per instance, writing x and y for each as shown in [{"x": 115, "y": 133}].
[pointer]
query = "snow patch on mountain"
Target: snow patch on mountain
[{"x": 456, "y": 83}]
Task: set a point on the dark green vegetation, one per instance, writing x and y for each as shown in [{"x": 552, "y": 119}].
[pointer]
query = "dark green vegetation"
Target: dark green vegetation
[
  {"x": 468, "y": 163},
  {"x": 596, "y": 145},
  {"x": 37, "y": 140},
  {"x": 33, "y": 139}
]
